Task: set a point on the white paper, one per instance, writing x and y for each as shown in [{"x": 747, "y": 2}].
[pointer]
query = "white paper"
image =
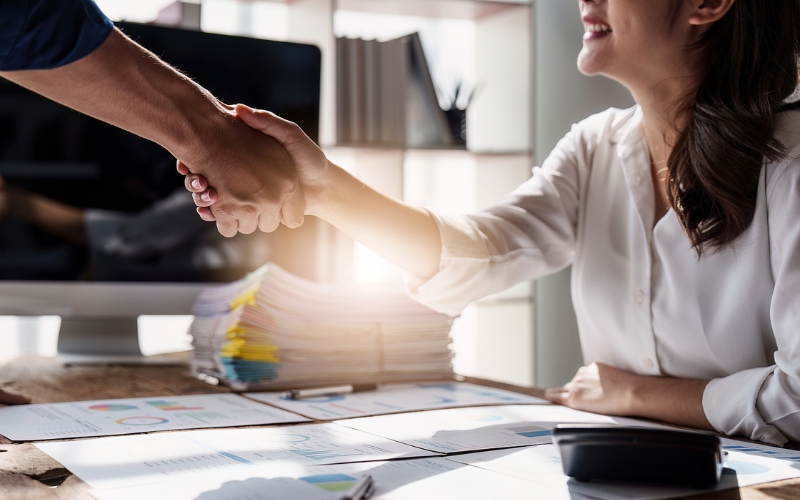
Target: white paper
[
  {"x": 395, "y": 399},
  {"x": 433, "y": 478},
  {"x": 114, "y": 417},
  {"x": 542, "y": 464},
  {"x": 483, "y": 428},
  {"x": 195, "y": 455}
]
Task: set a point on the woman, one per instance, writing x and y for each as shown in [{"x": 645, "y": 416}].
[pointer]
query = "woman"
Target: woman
[{"x": 678, "y": 216}]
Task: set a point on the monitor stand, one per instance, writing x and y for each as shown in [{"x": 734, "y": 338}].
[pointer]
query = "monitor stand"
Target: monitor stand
[{"x": 93, "y": 341}]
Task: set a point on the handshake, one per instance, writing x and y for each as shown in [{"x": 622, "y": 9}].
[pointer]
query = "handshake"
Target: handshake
[{"x": 267, "y": 172}]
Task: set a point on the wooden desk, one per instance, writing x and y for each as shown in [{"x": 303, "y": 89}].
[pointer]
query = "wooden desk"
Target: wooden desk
[{"x": 29, "y": 474}]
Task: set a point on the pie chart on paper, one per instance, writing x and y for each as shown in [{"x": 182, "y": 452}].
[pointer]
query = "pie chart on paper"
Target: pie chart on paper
[{"x": 142, "y": 421}]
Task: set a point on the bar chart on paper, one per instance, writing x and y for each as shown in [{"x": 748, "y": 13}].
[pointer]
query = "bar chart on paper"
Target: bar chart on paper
[
  {"x": 124, "y": 461},
  {"x": 395, "y": 398},
  {"x": 481, "y": 428},
  {"x": 129, "y": 416}
]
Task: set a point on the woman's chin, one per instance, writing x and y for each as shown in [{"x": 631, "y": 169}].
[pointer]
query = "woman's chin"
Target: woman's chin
[{"x": 588, "y": 63}]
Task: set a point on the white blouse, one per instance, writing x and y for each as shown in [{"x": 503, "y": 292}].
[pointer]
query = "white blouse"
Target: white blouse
[{"x": 644, "y": 301}]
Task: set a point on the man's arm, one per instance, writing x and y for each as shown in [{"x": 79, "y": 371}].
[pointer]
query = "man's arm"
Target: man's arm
[{"x": 125, "y": 85}]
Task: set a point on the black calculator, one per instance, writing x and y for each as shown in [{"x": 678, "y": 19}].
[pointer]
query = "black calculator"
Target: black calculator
[{"x": 639, "y": 454}]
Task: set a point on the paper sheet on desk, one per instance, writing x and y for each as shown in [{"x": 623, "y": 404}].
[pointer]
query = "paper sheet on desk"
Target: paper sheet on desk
[
  {"x": 482, "y": 428},
  {"x": 113, "y": 417},
  {"x": 395, "y": 399},
  {"x": 403, "y": 480},
  {"x": 123, "y": 461},
  {"x": 542, "y": 464}
]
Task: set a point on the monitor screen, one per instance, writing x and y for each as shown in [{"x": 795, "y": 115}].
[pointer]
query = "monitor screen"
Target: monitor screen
[{"x": 83, "y": 200}]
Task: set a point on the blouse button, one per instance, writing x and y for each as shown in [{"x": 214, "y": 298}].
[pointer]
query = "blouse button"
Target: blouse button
[
  {"x": 648, "y": 363},
  {"x": 639, "y": 297}
]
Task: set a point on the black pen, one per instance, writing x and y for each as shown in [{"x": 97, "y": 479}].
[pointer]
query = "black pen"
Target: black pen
[
  {"x": 328, "y": 391},
  {"x": 362, "y": 489}
]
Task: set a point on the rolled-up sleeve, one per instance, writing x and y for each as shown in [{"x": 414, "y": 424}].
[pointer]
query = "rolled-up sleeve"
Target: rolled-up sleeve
[
  {"x": 45, "y": 34},
  {"x": 764, "y": 403},
  {"x": 529, "y": 234}
]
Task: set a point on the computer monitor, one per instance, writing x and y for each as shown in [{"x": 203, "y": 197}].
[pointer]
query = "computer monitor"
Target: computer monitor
[{"x": 95, "y": 225}]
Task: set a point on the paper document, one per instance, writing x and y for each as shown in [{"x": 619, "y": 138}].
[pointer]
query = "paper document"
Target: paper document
[
  {"x": 482, "y": 428},
  {"x": 194, "y": 455},
  {"x": 131, "y": 416},
  {"x": 401, "y": 480},
  {"x": 542, "y": 464},
  {"x": 395, "y": 399}
]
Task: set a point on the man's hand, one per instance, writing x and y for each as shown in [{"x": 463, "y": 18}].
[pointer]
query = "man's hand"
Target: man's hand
[
  {"x": 7, "y": 398},
  {"x": 597, "y": 388},
  {"x": 255, "y": 182},
  {"x": 313, "y": 168}
]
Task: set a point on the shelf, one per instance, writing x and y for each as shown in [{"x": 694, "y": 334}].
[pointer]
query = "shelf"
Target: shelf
[
  {"x": 433, "y": 151},
  {"x": 447, "y": 9}
]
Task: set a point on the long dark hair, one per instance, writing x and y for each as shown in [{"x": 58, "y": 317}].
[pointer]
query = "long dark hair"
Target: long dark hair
[{"x": 751, "y": 57}]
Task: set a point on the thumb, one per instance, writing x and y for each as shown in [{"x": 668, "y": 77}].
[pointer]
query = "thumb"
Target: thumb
[{"x": 266, "y": 122}]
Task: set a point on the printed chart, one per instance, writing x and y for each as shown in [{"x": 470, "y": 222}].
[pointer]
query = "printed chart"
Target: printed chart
[
  {"x": 472, "y": 429},
  {"x": 128, "y": 416},
  {"x": 395, "y": 399},
  {"x": 402, "y": 480},
  {"x": 190, "y": 456}
]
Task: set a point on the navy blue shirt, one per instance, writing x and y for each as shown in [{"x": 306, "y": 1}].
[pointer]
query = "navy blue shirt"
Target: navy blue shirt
[{"x": 45, "y": 34}]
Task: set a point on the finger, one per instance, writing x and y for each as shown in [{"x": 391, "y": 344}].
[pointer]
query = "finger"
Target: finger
[
  {"x": 8, "y": 398},
  {"x": 227, "y": 226},
  {"x": 269, "y": 222},
  {"x": 266, "y": 122},
  {"x": 558, "y": 396},
  {"x": 248, "y": 225},
  {"x": 195, "y": 183},
  {"x": 205, "y": 214},
  {"x": 205, "y": 199},
  {"x": 293, "y": 208},
  {"x": 182, "y": 169}
]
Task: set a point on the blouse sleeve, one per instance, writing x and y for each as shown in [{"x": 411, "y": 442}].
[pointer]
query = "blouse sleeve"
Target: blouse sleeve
[
  {"x": 528, "y": 234},
  {"x": 768, "y": 406},
  {"x": 45, "y": 34}
]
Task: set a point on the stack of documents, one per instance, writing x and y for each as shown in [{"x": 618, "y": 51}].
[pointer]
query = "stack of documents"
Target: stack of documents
[{"x": 275, "y": 330}]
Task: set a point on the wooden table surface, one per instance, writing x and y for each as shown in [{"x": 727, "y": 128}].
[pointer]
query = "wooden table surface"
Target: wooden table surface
[{"x": 29, "y": 474}]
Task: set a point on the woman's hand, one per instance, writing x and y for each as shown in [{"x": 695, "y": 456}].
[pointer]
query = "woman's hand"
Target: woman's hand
[
  {"x": 7, "y": 398},
  {"x": 312, "y": 166},
  {"x": 600, "y": 388},
  {"x": 597, "y": 388}
]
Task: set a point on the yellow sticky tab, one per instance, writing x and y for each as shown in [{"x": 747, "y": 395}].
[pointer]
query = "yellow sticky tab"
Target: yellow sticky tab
[{"x": 246, "y": 299}]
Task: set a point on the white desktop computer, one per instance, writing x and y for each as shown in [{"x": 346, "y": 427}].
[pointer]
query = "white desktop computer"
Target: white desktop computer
[{"x": 95, "y": 225}]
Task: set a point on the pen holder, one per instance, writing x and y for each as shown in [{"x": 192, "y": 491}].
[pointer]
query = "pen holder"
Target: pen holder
[{"x": 457, "y": 120}]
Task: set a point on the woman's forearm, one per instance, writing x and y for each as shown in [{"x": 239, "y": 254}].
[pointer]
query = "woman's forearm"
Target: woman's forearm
[
  {"x": 406, "y": 235},
  {"x": 675, "y": 400}
]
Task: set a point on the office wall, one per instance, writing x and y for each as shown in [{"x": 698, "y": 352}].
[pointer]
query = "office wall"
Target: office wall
[{"x": 562, "y": 96}]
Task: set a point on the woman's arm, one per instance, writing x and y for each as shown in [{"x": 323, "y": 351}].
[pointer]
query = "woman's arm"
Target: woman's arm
[
  {"x": 405, "y": 235},
  {"x": 604, "y": 389}
]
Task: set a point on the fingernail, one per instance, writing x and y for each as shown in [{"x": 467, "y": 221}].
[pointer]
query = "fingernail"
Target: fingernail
[
  {"x": 196, "y": 184},
  {"x": 205, "y": 197}
]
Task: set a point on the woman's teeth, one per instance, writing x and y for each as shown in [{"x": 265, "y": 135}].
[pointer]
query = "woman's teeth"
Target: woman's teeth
[{"x": 598, "y": 28}]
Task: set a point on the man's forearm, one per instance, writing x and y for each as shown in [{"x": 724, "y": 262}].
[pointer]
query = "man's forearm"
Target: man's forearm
[{"x": 123, "y": 84}]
